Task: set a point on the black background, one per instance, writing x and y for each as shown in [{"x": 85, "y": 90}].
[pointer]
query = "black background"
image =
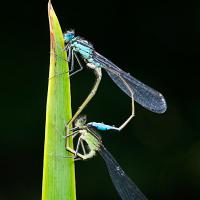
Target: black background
[{"x": 158, "y": 43}]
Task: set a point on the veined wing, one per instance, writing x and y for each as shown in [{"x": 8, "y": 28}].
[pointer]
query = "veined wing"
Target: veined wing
[
  {"x": 125, "y": 187},
  {"x": 143, "y": 94}
]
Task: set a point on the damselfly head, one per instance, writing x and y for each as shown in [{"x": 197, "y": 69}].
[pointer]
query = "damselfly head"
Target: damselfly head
[
  {"x": 69, "y": 35},
  {"x": 80, "y": 121}
]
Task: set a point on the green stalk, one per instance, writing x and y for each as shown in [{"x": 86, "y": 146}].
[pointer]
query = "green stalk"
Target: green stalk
[{"x": 58, "y": 172}]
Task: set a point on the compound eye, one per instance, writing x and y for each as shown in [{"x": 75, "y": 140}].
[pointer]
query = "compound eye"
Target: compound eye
[{"x": 69, "y": 35}]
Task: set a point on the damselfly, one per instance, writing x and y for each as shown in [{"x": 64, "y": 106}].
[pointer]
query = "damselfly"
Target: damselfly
[
  {"x": 125, "y": 187},
  {"x": 138, "y": 91}
]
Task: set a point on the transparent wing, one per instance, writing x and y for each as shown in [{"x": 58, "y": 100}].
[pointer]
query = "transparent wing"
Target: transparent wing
[
  {"x": 143, "y": 94},
  {"x": 125, "y": 187}
]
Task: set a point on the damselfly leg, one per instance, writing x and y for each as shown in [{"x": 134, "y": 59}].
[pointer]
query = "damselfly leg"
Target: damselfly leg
[
  {"x": 71, "y": 55},
  {"x": 75, "y": 152}
]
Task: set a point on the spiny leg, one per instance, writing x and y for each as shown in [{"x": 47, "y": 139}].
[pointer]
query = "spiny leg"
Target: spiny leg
[
  {"x": 80, "y": 65},
  {"x": 67, "y": 46},
  {"x": 82, "y": 156},
  {"x": 74, "y": 133},
  {"x": 71, "y": 134},
  {"x": 69, "y": 54},
  {"x": 71, "y": 60},
  {"x": 59, "y": 73},
  {"x": 83, "y": 147},
  {"x": 68, "y": 148},
  {"x": 80, "y": 142},
  {"x": 68, "y": 130},
  {"x": 78, "y": 145},
  {"x": 98, "y": 75},
  {"x": 75, "y": 154}
]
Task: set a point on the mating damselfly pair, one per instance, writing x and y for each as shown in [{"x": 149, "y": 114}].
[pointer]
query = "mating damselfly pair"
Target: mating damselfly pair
[{"x": 77, "y": 48}]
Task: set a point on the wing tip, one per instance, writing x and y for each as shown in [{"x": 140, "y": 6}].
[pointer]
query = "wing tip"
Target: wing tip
[{"x": 163, "y": 106}]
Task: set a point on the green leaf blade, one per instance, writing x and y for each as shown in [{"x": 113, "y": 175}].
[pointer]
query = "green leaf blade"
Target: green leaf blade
[{"x": 58, "y": 172}]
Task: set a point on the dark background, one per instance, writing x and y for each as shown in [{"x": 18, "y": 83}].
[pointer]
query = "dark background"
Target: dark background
[{"x": 157, "y": 43}]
